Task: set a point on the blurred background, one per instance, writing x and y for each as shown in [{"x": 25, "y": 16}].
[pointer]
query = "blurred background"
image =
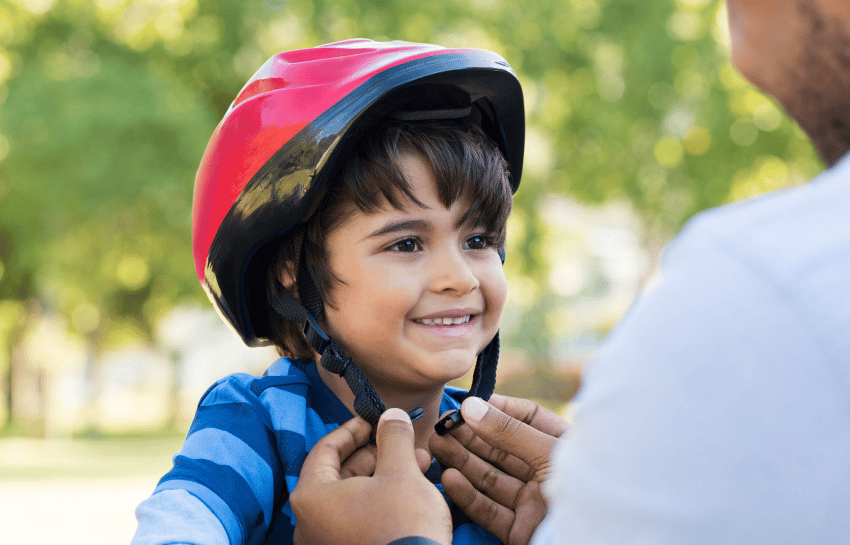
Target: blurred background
[{"x": 636, "y": 122}]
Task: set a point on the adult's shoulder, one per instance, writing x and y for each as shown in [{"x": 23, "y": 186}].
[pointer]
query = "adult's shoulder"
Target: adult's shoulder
[
  {"x": 794, "y": 243},
  {"x": 791, "y": 233},
  {"x": 725, "y": 386}
]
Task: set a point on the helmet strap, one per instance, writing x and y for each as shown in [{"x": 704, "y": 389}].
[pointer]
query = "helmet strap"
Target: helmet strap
[
  {"x": 367, "y": 402},
  {"x": 484, "y": 376},
  {"x": 483, "y": 384}
]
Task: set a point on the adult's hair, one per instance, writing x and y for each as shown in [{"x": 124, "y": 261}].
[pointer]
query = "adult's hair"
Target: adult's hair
[{"x": 465, "y": 164}]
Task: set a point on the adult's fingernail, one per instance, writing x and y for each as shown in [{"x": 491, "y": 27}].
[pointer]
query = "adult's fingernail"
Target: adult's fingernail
[
  {"x": 473, "y": 409},
  {"x": 395, "y": 414}
]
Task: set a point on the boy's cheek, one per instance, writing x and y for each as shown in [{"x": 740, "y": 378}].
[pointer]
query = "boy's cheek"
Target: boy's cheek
[{"x": 497, "y": 291}]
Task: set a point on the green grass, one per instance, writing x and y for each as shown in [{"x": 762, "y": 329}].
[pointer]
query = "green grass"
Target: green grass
[{"x": 22, "y": 458}]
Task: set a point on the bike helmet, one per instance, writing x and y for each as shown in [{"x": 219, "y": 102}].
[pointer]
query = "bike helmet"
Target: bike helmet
[{"x": 268, "y": 163}]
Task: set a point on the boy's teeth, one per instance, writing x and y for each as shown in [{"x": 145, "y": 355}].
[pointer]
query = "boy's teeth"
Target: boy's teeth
[{"x": 446, "y": 321}]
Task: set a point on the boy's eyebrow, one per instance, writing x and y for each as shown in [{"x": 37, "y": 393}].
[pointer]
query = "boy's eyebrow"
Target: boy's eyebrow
[{"x": 404, "y": 225}]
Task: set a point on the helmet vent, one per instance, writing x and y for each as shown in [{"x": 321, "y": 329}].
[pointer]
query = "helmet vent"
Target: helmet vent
[{"x": 427, "y": 115}]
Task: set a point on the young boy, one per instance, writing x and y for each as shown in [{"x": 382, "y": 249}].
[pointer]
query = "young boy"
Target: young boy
[{"x": 350, "y": 209}]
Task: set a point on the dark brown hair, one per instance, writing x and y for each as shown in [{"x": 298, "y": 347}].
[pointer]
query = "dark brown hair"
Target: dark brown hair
[{"x": 465, "y": 163}]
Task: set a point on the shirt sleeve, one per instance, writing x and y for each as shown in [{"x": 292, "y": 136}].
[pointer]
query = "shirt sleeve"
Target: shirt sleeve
[
  {"x": 229, "y": 463},
  {"x": 179, "y": 518},
  {"x": 712, "y": 416}
]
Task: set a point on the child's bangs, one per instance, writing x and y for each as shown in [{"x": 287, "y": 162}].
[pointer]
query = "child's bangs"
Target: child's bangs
[{"x": 466, "y": 165}]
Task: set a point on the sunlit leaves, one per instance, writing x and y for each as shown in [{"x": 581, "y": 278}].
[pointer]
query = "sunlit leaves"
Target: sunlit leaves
[
  {"x": 101, "y": 153},
  {"x": 105, "y": 107}
]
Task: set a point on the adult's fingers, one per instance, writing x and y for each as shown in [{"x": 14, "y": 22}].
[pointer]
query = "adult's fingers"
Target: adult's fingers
[
  {"x": 529, "y": 513},
  {"x": 520, "y": 409},
  {"x": 423, "y": 459},
  {"x": 483, "y": 510},
  {"x": 498, "y": 485},
  {"x": 451, "y": 447},
  {"x": 395, "y": 439},
  {"x": 529, "y": 412},
  {"x": 324, "y": 461},
  {"x": 361, "y": 463},
  {"x": 513, "y": 526},
  {"x": 509, "y": 434}
]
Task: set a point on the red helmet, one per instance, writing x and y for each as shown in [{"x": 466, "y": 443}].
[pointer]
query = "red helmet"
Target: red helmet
[{"x": 266, "y": 166}]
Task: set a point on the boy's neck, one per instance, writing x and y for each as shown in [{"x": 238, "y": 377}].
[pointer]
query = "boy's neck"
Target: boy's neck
[{"x": 428, "y": 400}]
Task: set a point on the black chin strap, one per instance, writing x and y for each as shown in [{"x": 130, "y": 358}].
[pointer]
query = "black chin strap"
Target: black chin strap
[
  {"x": 484, "y": 376},
  {"x": 367, "y": 403},
  {"x": 483, "y": 384}
]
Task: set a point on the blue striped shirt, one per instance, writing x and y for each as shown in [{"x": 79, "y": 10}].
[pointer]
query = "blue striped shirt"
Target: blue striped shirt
[{"x": 244, "y": 451}]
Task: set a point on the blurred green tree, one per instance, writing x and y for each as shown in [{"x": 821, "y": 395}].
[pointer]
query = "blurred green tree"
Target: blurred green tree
[{"x": 105, "y": 108}]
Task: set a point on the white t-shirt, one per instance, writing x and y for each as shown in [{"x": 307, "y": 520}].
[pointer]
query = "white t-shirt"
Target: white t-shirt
[{"x": 719, "y": 409}]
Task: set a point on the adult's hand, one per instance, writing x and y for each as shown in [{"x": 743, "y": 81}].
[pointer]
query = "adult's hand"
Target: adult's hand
[
  {"x": 362, "y": 462},
  {"x": 396, "y": 501},
  {"x": 498, "y": 462}
]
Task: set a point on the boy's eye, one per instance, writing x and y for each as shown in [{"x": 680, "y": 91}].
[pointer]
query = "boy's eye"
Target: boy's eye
[
  {"x": 406, "y": 245},
  {"x": 477, "y": 242}
]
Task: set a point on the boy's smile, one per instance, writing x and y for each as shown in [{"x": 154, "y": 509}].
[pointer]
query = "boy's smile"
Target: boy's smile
[
  {"x": 420, "y": 295},
  {"x": 453, "y": 323}
]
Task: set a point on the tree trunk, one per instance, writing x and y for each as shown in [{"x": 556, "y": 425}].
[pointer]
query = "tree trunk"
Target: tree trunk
[{"x": 12, "y": 374}]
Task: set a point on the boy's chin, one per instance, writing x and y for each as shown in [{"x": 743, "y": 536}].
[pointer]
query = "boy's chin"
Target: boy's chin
[
  {"x": 437, "y": 379},
  {"x": 450, "y": 374},
  {"x": 423, "y": 373}
]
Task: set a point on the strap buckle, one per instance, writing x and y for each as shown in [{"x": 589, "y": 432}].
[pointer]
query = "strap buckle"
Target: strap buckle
[{"x": 448, "y": 423}]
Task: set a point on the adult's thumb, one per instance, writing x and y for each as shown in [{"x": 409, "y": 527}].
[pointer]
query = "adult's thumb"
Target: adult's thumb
[
  {"x": 395, "y": 440},
  {"x": 508, "y": 434}
]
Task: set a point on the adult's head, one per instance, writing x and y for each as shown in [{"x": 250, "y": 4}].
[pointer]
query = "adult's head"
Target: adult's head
[{"x": 798, "y": 51}]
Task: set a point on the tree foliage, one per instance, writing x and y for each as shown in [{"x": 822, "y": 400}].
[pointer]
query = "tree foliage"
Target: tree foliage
[{"x": 105, "y": 108}]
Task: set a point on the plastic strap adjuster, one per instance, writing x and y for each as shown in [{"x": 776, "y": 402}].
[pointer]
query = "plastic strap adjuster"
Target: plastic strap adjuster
[{"x": 448, "y": 423}]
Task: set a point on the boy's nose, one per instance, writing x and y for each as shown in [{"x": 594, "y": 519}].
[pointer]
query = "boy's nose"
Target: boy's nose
[{"x": 452, "y": 273}]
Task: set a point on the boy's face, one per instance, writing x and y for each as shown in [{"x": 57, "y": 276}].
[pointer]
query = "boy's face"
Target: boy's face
[{"x": 420, "y": 296}]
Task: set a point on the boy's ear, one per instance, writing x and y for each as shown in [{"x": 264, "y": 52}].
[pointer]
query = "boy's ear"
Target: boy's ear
[{"x": 286, "y": 277}]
